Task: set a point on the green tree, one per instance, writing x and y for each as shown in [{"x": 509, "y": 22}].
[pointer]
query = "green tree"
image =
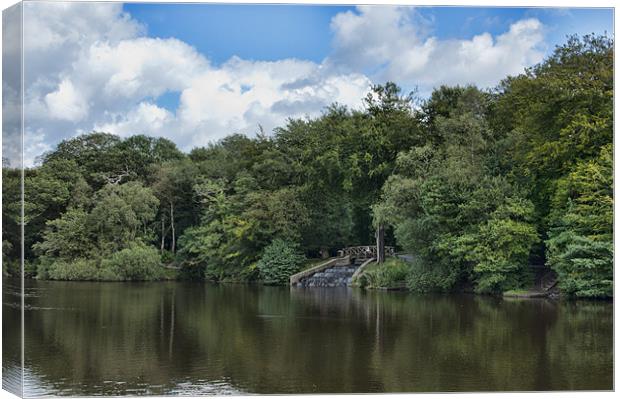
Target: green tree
[
  {"x": 214, "y": 244},
  {"x": 140, "y": 152},
  {"x": 280, "y": 260},
  {"x": 11, "y": 220},
  {"x": 580, "y": 244},
  {"x": 138, "y": 262},
  {"x": 557, "y": 114},
  {"x": 68, "y": 237},
  {"x": 47, "y": 193},
  {"x": 96, "y": 155},
  {"x": 464, "y": 224},
  {"x": 173, "y": 183},
  {"x": 499, "y": 248},
  {"x": 477, "y": 184},
  {"x": 122, "y": 214}
]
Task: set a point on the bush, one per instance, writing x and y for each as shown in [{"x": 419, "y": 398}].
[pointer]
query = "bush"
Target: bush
[
  {"x": 138, "y": 262},
  {"x": 78, "y": 269},
  {"x": 390, "y": 274},
  {"x": 437, "y": 278},
  {"x": 280, "y": 260}
]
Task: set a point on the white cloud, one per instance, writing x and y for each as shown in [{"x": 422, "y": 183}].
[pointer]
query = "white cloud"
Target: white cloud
[
  {"x": 140, "y": 67},
  {"x": 243, "y": 93},
  {"x": 389, "y": 44},
  {"x": 374, "y": 35},
  {"x": 89, "y": 22},
  {"x": 66, "y": 103},
  {"x": 56, "y": 33},
  {"x": 35, "y": 144},
  {"x": 106, "y": 76},
  {"x": 143, "y": 119},
  {"x": 238, "y": 97},
  {"x": 89, "y": 66}
]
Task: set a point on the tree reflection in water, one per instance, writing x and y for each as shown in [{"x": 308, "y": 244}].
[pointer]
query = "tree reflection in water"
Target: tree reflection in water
[{"x": 163, "y": 338}]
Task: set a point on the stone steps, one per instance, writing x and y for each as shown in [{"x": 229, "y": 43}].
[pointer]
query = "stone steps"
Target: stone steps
[{"x": 335, "y": 276}]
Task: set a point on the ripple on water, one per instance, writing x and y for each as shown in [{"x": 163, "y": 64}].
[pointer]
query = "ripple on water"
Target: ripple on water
[
  {"x": 203, "y": 387},
  {"x": 11, "y": 378}
]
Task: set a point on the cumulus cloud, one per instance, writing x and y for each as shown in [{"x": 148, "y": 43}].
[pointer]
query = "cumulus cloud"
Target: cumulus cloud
[
  {"x": 140, "y": 67},
  {"x": 373, "y": 35},
  {"x": 145, "y": 118},
  {"x": 239, "y": 96},
  {"x": 95, "y": 69},
  {"x": 90, "y": 66},
  {"x": 57, "y": 33},
  {"x": 390, "y": 43},
  {"x": 66, "y": 103}
]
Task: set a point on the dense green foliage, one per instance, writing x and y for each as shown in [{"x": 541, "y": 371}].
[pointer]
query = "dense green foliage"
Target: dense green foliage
[
  {"x": 102, "y": 239},
  {"x": 451, "y": 208},
  {"x": 424, "y": 278},
  {"x": 138, "y": 262},
  {"x": 478, "y": 185},
  {"x": 580, "y": 245},
  {"x": 280, "y": 260},
  {"x": 74, "y": 269}
]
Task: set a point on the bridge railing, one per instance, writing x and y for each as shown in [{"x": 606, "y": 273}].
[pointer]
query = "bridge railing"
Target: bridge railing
[{"x": 365, "y": 252}]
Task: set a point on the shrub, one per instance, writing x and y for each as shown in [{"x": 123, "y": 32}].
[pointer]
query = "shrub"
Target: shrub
[
  {"x": 138, "y": 262},
  {"x": 78, "y": 269},
  {"x": 423, "y": 278},
  {"x": 390, "y": 274},
  {"x": 281, "y": 259}
]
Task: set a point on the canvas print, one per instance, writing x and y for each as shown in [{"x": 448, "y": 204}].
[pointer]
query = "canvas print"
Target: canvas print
[{"x": 224, "y": 199}]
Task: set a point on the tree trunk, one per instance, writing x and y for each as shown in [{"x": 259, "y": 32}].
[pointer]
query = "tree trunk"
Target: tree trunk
[
  {"x": 163, "y": 234},
  {"x": 380, "y": 243},
  {"x": 172, "y": 226}
]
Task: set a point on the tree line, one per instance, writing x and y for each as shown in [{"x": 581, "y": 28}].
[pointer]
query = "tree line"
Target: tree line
[{"x": 477, "y": 184}]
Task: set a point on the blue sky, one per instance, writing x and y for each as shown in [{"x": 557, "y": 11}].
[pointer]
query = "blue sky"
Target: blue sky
[
  {"x": 260, "y": 32},
  {"x": 272, "y": 32},
  {"x": 195, "y": 73}
]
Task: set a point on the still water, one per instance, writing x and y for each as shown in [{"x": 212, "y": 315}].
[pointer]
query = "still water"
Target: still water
[{"x": 194, "y": 338}]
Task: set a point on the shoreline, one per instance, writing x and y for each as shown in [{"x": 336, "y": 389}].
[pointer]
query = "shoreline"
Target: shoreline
[{"x": 556, "y": 297}]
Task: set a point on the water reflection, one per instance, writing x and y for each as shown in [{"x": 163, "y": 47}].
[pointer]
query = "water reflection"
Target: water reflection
[{"x": 191, "y": 338}]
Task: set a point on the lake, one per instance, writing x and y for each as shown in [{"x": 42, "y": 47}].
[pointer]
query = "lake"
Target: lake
[{"x": 193, "y": 338}]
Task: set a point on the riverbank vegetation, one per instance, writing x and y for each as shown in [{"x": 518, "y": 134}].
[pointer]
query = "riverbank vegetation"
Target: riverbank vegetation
[
  {"x": 391, "y": 274},
  {"x": 479, "y": 185}
]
